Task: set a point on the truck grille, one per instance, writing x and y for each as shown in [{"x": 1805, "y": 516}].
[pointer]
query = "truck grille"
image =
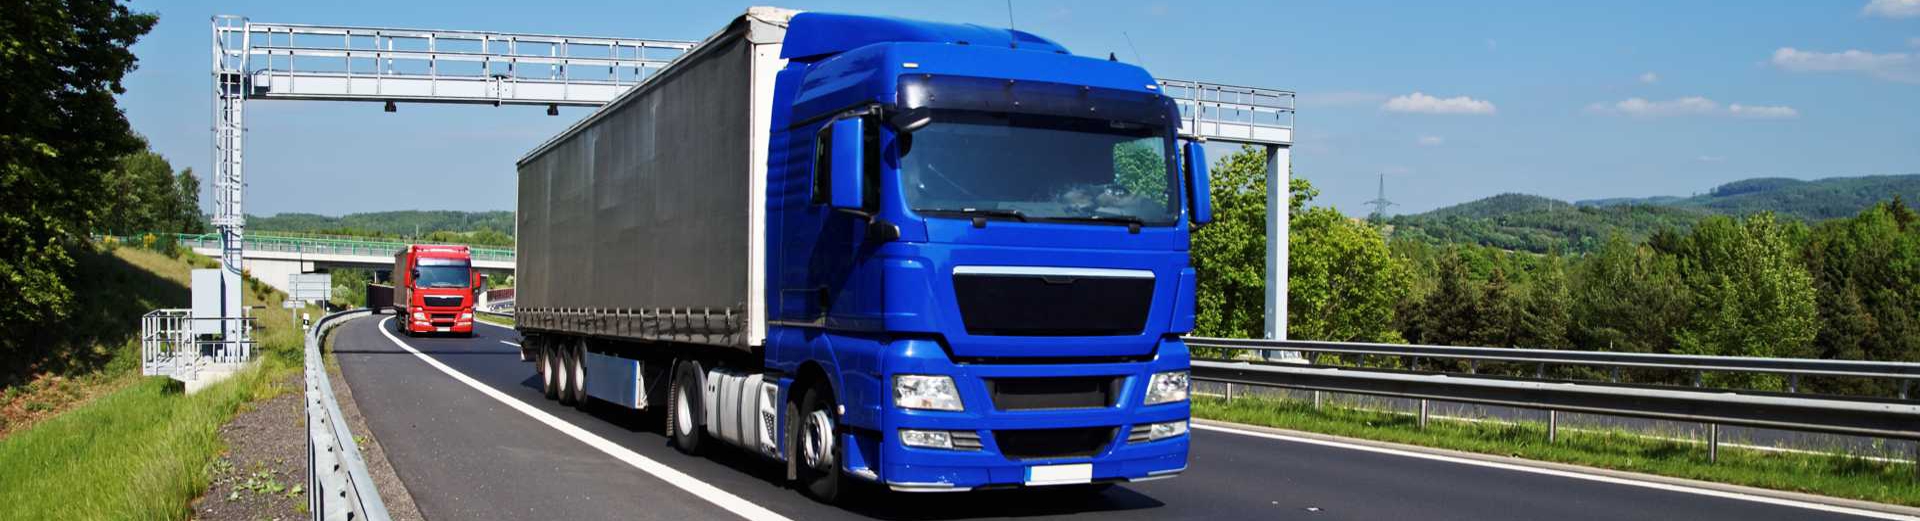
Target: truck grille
[
  {"x": 1053, "y": 443},
  {"x": 1030, "y": 394},
  {"x": 443, "y": 301},
  {"x": 1041, "y": 305}
]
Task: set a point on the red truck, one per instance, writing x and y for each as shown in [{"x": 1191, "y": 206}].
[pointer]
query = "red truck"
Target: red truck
[{"x": 434, "y": 289}]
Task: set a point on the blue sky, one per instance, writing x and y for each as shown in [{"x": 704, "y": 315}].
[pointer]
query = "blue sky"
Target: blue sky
[{"x": 1452, "y": 101}]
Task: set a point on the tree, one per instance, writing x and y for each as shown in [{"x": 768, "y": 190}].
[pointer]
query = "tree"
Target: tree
[
  {"x": 60, "y": 129},
  {"x": 1546, "y": 318},
  {"x": 1342, "y": 281},
  {"x": 1229, "y": 254},
  {"x": 1755, "y": 298},
  {"x": 1865, "y": 270},
  {"x": 1454, "y": 312},
  {"x": 1627, "y": 297}
]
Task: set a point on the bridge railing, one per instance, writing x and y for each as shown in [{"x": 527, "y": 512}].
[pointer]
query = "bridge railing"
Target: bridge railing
[
  {"x": 337, "y": 477},
  {"x": 331, "y": 246}
]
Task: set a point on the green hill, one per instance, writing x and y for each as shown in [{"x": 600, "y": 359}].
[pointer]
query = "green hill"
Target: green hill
[
  {"x": 1539, "y": 224},
  {"x": 1810, "y": 201}
]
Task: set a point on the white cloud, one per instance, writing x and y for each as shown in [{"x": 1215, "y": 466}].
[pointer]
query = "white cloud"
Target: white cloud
[
  {"x": 1431, "y": 141},
  {"x": 1640, "y": 107},
  {"x": 1691, "y": 106},
  {"x": 1892, "y": 8},
  {"x": 1649, "y": 77},
  {"x": 1710, "y": 159},
  {"x": 1892, "y": 66},
  {"x": 1762, "y": 111},
  {"x": 1425, "y": 104}
]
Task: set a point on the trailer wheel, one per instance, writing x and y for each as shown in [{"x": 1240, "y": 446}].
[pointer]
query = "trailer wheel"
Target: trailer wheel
[
  {"x": 563, "y": 368},
  {"x": 819, "y": 448},
  {"x": 579, "y": 369},
  {"x": 549, "y": 377},
  {"x": 684, "y": 406}
]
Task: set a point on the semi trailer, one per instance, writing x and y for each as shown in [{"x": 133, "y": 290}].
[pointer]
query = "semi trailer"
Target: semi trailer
[
  {"x": 434, "y": 289},
  {"x": 935, "y": 257}
]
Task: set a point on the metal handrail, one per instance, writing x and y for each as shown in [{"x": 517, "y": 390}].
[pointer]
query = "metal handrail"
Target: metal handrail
[
  {"x": 269, "y": 242},
  {"x": 338, "y": 480},
  {"x": 1904, "y": 371}
]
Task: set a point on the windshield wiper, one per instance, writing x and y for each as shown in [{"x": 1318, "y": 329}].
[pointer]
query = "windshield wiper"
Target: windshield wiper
[
  {"x": 1133, "y": 223},
  {"x": 984, "y": 212}
]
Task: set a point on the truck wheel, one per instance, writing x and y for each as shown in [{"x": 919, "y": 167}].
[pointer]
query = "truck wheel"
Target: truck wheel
[
  {"x": 684, "y": 408},
  {"x": 820, "y": 451},
  {"x": 549, "y": 377},
  {"x": 563, "y": 369},
  {"x": 579, "y": 368}
]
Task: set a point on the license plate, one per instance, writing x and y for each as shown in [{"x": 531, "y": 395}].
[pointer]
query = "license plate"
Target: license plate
[
  {"x": 1059, "y": 474},
  {"x": 443, "y": 329}
]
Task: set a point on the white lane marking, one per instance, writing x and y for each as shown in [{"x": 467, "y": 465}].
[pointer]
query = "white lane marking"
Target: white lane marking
[
  {"x": 478, "y": 321},
  {"x": 509, "y": 343},
  {"x": 1565, "y": 474},
  {"x": 712, "y": 494}
]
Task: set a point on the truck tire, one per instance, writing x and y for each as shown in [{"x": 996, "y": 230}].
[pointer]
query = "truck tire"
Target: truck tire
[
  {"x": 684, "y": 406},
  {"x": 549, "y": 378},
  {"x": 579, "y": 368},
  {"x": 563, "y": 369},
  {"x": 819, "y": 445}
]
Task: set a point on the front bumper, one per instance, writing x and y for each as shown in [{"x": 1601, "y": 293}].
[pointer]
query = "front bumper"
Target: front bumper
[
  {"x": 442, "y": 320},
  {"x": 916, "y": 469}
]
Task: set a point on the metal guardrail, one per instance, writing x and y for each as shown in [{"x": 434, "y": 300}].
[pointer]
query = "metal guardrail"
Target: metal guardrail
[
  {"x": 1904, "y": 372},
  {"x": 1847, "y": 415},
  {"x": 339, "y": 485},
  {"x": 316, "y": 245}
]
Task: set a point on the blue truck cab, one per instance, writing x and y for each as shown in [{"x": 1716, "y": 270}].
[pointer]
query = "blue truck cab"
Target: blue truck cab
[
  {"x": 934, "y": 257},
  {"x": 999, "y": 279}
]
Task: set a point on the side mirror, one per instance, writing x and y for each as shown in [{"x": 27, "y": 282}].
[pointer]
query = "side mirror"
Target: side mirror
[
  {"x": 849, "y": 157},
  {"x": 413, "y": 276},
  {"x": 909, "y": 120},
  {"x": 1199, "y": 188},
  {"x": 479, "y": 281}
]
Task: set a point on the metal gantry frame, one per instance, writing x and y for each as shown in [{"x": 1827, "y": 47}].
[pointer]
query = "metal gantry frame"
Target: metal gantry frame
[
  {"x": 1250, "y": 116},
  {"x": 263, "y": 61},
  {"x": 269, "y": 61}
]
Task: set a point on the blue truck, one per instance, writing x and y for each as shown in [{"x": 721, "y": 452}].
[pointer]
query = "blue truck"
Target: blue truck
[{"x": 935, "y": 257}]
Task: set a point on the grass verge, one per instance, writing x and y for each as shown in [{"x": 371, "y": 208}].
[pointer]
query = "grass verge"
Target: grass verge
[
  {"x": 143, "y": 450},
  {"x": 504, "y": 321},
  {"x": 1830, "y": 475}
]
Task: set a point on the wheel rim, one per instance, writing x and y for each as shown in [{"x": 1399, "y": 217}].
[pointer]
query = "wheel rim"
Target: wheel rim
[
  {"x": 546, "y": 366},
  {"x": 682, "y": 410},
  {"x": 560, "y": 380},
  {"x": 580, "y": 372},
  {"x": 817, "y": 448}
]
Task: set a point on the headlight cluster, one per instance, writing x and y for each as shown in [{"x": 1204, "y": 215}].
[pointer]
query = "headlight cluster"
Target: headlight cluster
[
  {"x": 926, "y": 439},
  {"x": 1161, "y": 431},
  {"x": 419, "y": 316},
  {"x": 930, "y": 392},
  {"x": 466, "y": 316},
  {"x": 1167, "y": 387}
]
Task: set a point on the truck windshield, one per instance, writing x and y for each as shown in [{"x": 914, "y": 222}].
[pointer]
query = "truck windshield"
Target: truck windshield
[
  {"x": 442, "y": 276},
  {"x": 1041, "y": 168}
]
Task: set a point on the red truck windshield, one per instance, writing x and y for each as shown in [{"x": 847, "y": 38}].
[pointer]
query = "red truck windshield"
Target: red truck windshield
[{"x": 443, "y": 273}]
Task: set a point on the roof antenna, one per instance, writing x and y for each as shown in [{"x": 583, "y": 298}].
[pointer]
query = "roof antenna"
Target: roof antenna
[
  {"x": 1136, "y": 50},
  {"x": 1012, "y": 39}
]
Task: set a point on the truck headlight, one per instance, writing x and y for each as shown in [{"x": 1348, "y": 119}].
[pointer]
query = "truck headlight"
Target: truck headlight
[
  {"x": 1170, "y": 386},
  {"x": 932, "y": 392},
  {"x": 466, "y": 316},
  {"x": 419, "y": 316},
  {"x": 1161, "y": 431},
  {"x": 926, "y": 439}
]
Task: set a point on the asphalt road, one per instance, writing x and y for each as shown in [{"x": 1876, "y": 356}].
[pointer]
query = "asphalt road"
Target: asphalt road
[{"x": 465, "y": 454}]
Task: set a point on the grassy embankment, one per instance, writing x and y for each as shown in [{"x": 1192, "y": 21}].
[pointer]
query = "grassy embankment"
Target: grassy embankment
[
  {"x": 1852, "y": 477},
  {"x": 140, "y": 448}
]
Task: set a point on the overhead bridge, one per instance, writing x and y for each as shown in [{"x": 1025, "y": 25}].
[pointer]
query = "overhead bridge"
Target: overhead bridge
[{"x": 274, "y": 258}]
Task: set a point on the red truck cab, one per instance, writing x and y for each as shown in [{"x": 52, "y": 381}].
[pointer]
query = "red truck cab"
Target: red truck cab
[{"x": 434, "y": 289}]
